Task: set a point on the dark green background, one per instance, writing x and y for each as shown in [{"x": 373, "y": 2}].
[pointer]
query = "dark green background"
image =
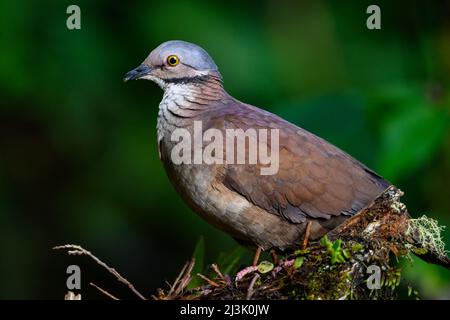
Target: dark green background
[{"x": 78, "y": 158}]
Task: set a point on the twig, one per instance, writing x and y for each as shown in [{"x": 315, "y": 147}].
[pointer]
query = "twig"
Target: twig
[
  {"x": 250, "y": 290},
  {"x": 173, "y": 286},
  {"x": 186, "y": 277},
  {"x": 78, "y": 250},
  {"x": 214, "y": 284},
  {"x": 106, "y": 293},
  {"x": 180, "y": 283},
  {"x": 217, "y": 271}
]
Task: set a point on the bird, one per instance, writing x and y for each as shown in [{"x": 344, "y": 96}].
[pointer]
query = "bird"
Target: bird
[{"x": 315, "y": 188}]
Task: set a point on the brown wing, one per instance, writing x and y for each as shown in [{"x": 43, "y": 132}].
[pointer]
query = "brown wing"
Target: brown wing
[{"x": 315, "y": 179}]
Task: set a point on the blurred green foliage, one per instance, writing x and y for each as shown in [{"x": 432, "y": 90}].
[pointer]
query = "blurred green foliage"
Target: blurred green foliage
[
  {"x": 198, "y": 257},
  {"x": 78, "y": 159}
]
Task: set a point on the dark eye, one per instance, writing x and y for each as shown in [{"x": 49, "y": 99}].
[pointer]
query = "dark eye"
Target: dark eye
[{"x": 173, "y": 60}]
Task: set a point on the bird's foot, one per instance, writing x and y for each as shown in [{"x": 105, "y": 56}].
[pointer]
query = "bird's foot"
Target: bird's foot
[
  {"x": 307, "y": 234},
  {"x": 256, "y": 257},
  {"x": 274, "y": 257}
]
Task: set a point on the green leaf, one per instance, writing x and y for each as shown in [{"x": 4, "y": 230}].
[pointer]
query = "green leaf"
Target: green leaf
[
  {"x": 337, "y": 245},
  {"x": 198, "y": 255},
  {"x": 228, "y": 262},
  {"x": 265, "y": 266},
  {"x": 337, "y": 257},
  {"x": 346, "y": 254},
  {"x": 334, "y": 248},
  {"x": 298, "y": 262},
  {"x": 326, "y": 243},
  {"x": 333, "y": 257}
]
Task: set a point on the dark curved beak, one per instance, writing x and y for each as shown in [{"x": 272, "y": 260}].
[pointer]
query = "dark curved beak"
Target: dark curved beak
[{"x": 137, "y": 73}]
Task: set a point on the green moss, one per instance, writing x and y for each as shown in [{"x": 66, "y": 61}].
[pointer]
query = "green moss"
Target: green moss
[{"x": 357, "y": 247}]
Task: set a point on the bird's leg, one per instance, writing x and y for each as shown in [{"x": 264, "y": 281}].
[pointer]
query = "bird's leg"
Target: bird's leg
[
  {"x": 274, "y": 256},
  {"x": 307, "y": 234},
  {"x": 256, "y": 257}
]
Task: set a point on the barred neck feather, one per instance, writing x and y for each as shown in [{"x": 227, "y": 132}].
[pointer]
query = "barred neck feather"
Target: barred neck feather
[
  {"x": 187, "y": 98},
  {"x": 202, "y": 87}
]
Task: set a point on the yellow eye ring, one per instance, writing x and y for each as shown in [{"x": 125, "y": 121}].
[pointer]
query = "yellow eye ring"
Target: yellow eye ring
[{"x": 173, "y": 60}]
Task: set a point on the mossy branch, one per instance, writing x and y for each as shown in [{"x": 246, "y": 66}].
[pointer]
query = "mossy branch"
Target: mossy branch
[{"x": 336, "y": 267}]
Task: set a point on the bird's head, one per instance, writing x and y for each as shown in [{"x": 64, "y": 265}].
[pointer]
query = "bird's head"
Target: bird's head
[{"x": 175, "y": 62}]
